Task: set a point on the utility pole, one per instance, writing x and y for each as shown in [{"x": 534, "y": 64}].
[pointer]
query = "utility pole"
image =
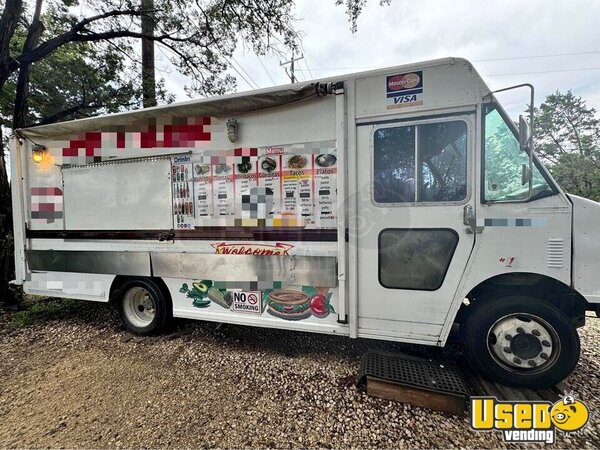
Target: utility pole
[{"x": 290, "y": 73}]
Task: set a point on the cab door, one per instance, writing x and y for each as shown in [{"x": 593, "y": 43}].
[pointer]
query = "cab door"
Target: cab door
[{"x": 415, "y": 184}]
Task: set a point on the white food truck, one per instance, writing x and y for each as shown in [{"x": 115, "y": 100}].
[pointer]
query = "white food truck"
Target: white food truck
[{"x": 390, "y": 204}]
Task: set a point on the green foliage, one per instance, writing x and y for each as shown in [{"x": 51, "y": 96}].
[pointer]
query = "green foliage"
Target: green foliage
[
  {"x": 568, "y": 140},
  {"x": 76, "y": 80},
  {"x": 354, "y": 9},
  {"x": 38, "y": 310},
  {"x": 73, "y": 82},
  {"x": 578, "y": 174},
  {"x": 85, "y": 60}
]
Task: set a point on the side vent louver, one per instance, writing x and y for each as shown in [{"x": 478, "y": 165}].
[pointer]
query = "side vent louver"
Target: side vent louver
[{"x": 556, "y": 253}]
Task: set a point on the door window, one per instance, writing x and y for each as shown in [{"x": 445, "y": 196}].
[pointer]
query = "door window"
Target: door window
[
  {"x": 420, "y": 163},
  {"x": 415, "y": 258},
  {"x": 504, "y": 161}
]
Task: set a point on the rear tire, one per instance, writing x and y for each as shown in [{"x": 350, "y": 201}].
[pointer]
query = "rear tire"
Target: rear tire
[
  {"x": 521, "y": 341},
  {"x": 143, "y": 307}
]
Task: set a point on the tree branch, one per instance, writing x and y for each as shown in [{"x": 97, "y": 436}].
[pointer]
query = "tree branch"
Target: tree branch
[
  {"x": 33, "y": 35},
  {"x": 575, "y": 131},
  {"x": 8, "y": 25},
  {"x": 114, "y": 13}
]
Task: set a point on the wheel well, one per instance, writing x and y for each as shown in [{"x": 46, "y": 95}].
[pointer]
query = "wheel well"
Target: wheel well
[
  {"x": 120, "y": 280},
  {"x": 569, "y": 301}
]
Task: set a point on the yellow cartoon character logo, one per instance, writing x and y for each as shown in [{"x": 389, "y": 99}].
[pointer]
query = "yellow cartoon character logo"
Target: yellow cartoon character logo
[{"x": 569, "y": 414}]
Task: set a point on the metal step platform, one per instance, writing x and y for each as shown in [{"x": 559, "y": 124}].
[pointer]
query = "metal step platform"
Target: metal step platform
[{"x": 413, "y": 380}]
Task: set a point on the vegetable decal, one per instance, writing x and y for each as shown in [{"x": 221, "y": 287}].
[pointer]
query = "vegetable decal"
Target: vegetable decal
[
  {"x": 281, "y": 303},
  {"x": 319, "y": 301},
  {"x": 203, "y": 289},
  {"x": 319, "y": 305}
]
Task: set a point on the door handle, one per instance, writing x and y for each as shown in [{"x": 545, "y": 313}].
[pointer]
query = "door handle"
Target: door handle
[
  {"x": 470, "y": 219},
  {"x": 167, "y": 236}
]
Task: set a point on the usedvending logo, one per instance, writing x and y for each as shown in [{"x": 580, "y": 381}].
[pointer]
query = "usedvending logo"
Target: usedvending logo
[
  {"x": 404, "y": 90},
  {"x": 529, "y": 421}
]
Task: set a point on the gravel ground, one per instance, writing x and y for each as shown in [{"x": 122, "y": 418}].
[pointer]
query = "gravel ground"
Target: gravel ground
[{"x": 72, "y": 382}]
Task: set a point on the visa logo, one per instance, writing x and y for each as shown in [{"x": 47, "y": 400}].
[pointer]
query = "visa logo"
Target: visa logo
[{"x": 405, "y": 99}]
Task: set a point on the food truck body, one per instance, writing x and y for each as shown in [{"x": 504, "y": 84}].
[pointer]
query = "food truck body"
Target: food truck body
[{"x": 389, "y": 204}]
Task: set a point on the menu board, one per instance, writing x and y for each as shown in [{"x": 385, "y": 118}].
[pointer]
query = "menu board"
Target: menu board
[
  {"x": 325, "y": 190},
  {"x": 183, "y": 203},
  {"x": 223, "y": 190},
  {"x": 203, "y": 188},
  {"x": 269, "y": 175},
  {"x": 286, "y": 186}
]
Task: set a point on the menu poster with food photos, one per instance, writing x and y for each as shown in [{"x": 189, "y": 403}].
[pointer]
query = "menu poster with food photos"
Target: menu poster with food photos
[
  {"x": 325, "y": 181},
  {"x": 223, "y": 190},
  {"x": 297, "y": 175},
  {"x": 300, "y": 181},
  {"x": 245, "y": 174},
  {"x": 203, "y": 188},
  {"x": 269, "y": 175}
]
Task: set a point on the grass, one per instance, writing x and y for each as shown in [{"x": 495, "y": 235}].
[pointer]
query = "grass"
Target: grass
[{"x": 37, "y": 310}]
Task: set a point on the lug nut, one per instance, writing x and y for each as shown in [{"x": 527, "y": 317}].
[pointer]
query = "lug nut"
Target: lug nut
[
  {"x": 516, "y": 360},
  {"x": 520, "y": 330},
  {"x": 507, "y": 350},
  {"x": 543, "y": 356},
  {"x": 532, "y": 363},
  {"x": 536, "y": 332},
  {"x": 546, "y": 343}
]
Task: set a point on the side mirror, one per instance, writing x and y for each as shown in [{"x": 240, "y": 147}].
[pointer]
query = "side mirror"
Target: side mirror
[
  {"x": 524, "y": 133},
  {"x": 525, "y": 174}
]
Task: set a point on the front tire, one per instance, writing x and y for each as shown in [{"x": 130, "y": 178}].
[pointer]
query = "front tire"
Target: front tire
[
  {"x": 143, "y": 307},
  {"x": 521, "y": 341}
]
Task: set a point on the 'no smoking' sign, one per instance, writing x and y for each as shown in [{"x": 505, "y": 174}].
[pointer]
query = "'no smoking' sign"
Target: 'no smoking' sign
[{"x": 247, "y": 302}]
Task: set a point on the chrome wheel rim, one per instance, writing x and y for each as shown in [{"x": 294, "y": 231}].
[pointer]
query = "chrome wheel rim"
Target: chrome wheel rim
[
  {"x": 139, "y": 307},
  {"x": 523, "y": 343}
]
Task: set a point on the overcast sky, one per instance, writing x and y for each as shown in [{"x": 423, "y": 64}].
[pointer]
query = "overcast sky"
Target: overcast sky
[{"x": 479, "y": 30}]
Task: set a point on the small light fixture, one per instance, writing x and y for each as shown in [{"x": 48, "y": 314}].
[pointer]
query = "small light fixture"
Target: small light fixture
[
  {"x": 232, "y": 130},
  {"x": 37, "y": 153}
]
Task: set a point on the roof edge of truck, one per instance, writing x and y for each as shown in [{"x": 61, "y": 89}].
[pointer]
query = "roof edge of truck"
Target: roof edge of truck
[{"x": 289, "y": 90}]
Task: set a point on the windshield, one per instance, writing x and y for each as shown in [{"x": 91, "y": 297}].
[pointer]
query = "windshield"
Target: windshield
[{"x": 504, "y": 162}]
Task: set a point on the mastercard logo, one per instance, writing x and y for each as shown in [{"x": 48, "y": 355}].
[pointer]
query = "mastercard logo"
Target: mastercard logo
[{"x": 406, "y": 81}]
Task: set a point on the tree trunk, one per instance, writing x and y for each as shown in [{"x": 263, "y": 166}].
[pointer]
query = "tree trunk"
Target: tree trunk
[
  {"x": 148, "y": 68},
  {"x": 33, "y": 36},
  {"x": 7, "y": 260},
  {"x": 8, "y": 25},
  {"x": 7, "y": 268}
]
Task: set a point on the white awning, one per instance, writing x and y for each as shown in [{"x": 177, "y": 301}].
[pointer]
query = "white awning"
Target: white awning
[{"x": 223, "y": 106}]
